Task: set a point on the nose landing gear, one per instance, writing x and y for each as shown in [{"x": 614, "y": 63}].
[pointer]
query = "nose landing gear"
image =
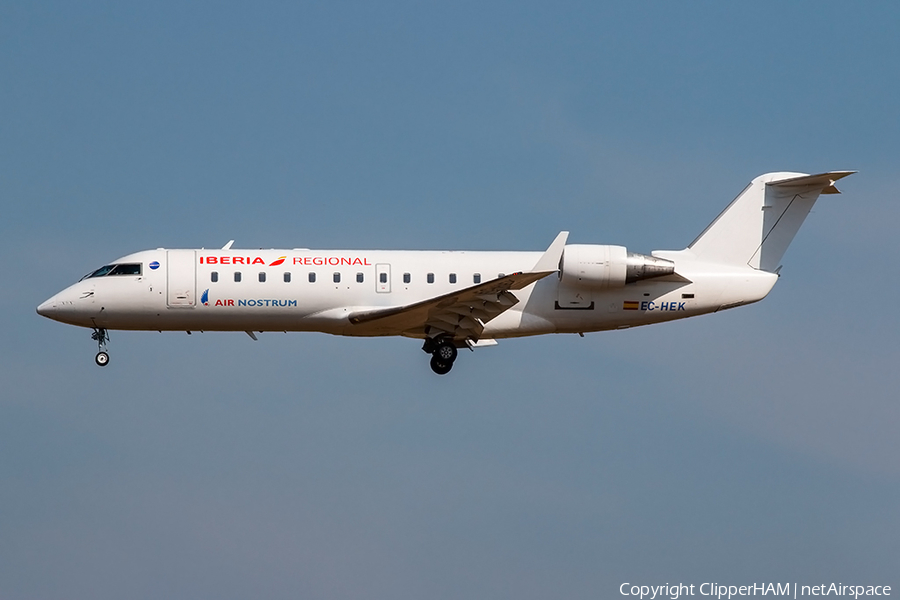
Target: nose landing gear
[
  {"x": 443, "y": 353},
  {"x": 101, "y": 337}
]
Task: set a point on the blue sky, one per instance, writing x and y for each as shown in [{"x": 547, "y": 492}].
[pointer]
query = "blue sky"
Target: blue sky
[{"x": 755, "y": 445}]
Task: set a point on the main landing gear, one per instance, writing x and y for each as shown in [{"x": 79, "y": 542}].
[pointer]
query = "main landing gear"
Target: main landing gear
[
  {"x": 101, "y": 337},
  {"x": 443, "y": 353}
]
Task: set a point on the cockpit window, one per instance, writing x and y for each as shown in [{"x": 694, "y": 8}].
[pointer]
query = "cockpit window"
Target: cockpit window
[
  {"x": 129, "y": 269},
  {"x": 123, "y": 269},
  {"x": 100, "y": 272}
]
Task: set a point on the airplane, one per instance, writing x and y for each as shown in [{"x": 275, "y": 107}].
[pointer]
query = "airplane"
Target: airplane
[{"x": 451, "y": 300}]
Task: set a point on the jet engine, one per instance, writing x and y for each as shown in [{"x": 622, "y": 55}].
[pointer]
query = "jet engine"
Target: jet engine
[{"x": 598, "y": 267}]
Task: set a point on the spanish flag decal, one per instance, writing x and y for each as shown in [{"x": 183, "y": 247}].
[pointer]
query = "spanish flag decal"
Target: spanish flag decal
[
  {"x": 631, "y": 305},
  {"x": 277, "y": 262}
]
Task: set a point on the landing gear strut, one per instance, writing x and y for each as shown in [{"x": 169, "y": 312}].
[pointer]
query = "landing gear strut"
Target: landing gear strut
[
  {"x": 101, "y": 337},
  {"x": 443, "y": 353}
]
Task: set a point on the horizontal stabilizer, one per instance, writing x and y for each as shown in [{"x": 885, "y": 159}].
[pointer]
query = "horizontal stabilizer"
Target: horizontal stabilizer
[{"x": 822, "y": 181}]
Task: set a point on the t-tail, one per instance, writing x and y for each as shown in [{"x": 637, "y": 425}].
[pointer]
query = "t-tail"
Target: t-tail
[{"x": 759, "y": 225}]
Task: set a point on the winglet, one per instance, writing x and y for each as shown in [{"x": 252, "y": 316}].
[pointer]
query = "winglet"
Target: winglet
[
  {"x": 550, "y": 260},
  {"x": 228, "y": 245}
]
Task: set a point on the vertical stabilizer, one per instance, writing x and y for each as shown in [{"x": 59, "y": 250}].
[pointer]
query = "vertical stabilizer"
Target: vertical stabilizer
[{"x": 761, "y": 222}]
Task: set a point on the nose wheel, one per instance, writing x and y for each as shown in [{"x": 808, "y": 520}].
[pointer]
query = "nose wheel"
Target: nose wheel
[
  {"x": 101, "y": 337},
  {"x": 443, "y": 353}
]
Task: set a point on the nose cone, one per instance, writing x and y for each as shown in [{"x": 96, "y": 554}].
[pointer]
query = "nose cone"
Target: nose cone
[
  {"x": 61, "y": 307},
  {"x": 47, "y": 308},
  {"x": 75, "y": 305}
]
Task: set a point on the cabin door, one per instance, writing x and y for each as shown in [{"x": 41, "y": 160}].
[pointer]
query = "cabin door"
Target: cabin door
[{"x": 181, "y": 278}]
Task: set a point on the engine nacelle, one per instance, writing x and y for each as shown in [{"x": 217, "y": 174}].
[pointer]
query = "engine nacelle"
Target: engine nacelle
[{"x": 598, "y": 267}]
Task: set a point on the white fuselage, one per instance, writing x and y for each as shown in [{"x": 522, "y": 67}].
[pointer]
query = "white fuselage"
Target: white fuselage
[
  {"x": 317, "y": 290},
  {"x": 451, "y": 299}
]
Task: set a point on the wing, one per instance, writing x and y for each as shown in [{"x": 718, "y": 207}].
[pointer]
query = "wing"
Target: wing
[{"x": 463, "y": 314}]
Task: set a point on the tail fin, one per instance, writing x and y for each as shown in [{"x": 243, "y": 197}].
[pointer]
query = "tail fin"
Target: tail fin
[{"x": 761, "y": 222}]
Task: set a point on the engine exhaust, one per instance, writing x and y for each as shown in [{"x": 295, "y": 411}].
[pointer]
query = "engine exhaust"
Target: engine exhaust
[{"x": 640, "y": 266}]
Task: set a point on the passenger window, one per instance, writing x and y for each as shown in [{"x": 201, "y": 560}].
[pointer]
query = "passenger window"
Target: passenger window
[
  {"x": 287, "y": 276},
  {"x": 383, "y": 277},
  {"x": 262, "y": 277},
  {"x": 337, "y": 277},
  {"x": 452, "y": 277},
  {"x": 312, "y": 277},
  {"x": 359, "y": 278},
  {"x": 406, "y": 278},
  {"x": 430, "y": 278},
  {"x": 476, "y": 278},
  {"x": 237, "y": 276},
  {"x": 214, "y": 276}
]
